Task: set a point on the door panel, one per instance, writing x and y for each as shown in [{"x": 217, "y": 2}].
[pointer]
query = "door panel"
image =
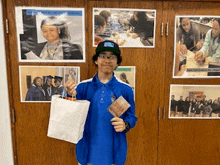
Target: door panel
[
  {"x": 32, "y": 146},
  {"x": 186, "y": 141}
]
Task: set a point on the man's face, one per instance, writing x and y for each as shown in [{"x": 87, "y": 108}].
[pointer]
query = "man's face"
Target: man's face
[
  {"x": 107, "y": 62},
  {"x": 215, "y": 29}
]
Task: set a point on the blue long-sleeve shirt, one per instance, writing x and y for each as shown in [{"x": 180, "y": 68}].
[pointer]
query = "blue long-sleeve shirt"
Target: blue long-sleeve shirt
[{"x": 101, "y": 144}]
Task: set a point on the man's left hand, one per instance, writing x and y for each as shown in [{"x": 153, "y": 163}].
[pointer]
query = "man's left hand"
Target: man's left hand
[{"x": 118, "y": 123}]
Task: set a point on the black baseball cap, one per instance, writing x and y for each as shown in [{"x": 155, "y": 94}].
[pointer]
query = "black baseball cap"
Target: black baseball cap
[{"x": 108, "y": 46}]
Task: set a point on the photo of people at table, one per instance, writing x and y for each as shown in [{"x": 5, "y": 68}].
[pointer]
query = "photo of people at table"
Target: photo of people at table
[
  {"x": 126, "y": 27},
  {"x": 194, "y": 101},
  {"x": 50, "y": 34},
  {"x": 39, "y": 84},
  {"x": 197, "y": 47}
]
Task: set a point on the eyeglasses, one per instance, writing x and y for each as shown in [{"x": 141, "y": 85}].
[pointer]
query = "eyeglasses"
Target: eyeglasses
[{"x": 104, "y": 56}]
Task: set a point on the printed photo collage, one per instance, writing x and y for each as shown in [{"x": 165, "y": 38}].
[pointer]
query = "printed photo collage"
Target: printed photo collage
[
  {"x": 47, "y": 35},
  {"x": 196, "y": 55},
  {"x": 58, "y": 35}
]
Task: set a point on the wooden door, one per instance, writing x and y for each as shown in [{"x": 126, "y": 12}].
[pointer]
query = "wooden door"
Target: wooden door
[
  {"x": 30, "y": 141},
  {"x": 142, "y": 140},
  {"x": 186, "y": 141}
]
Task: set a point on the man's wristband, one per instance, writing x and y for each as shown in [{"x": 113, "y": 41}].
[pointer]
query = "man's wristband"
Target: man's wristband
[{"x": 127, "y": 126}]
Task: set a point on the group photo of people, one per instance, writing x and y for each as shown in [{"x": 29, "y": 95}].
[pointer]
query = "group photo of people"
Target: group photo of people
[
  {"x": 197, "y": 46},
  {"x": 126, "y": 27},
  {"x": 39, "y": 84},
  {"x": 190, "y": 101},
  {"x": 50, "y": 34}
]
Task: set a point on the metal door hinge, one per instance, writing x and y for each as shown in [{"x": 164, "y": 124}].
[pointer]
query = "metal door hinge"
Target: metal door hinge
[
  {"x": 162, "y": 29},
  {"x": 6, "y": 26},
  {"x": 13, "y": 116}
]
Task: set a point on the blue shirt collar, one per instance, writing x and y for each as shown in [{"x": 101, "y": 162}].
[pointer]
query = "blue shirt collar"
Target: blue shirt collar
[{"x": 109, "y": 84}]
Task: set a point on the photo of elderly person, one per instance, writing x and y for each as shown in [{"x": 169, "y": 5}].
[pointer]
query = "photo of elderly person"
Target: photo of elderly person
[{"x": 36, "y": 92}]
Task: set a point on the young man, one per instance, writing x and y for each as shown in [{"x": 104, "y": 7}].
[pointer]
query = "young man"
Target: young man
[{"x": 104, "y": 139}]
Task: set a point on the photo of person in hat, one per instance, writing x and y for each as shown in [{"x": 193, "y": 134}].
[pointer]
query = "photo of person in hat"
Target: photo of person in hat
[
  {"x": 48, "y": 88},
  {"x": 104, "y": 139},
  {"x": 58, "y": 90},
  {"x": 36, "y": 92}
]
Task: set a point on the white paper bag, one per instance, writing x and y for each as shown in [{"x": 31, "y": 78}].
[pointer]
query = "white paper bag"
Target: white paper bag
[{"x": 67, "y": 119}]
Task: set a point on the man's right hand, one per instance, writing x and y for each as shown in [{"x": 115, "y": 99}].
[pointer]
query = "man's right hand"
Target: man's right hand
[{"x": 70, "y": 86}]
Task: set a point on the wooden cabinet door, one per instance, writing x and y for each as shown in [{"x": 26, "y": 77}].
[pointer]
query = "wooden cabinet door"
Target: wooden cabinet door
[
  {"x": 30, "y": 141},
  {"x": 142, "y": 140},
  {"x": 31, "y": 144},
  {"x": 186, "y": 141}
]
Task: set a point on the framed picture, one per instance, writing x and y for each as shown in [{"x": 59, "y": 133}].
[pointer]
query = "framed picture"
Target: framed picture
[
  {"x": 127, "y": 75},
  {"x": 40, "y": 83},
  {"x": 126, "y": 27},
  {"x": 196, "y": 46},
  {"x": 50, "y": 34},
  {"x": 194, "y": 101}
]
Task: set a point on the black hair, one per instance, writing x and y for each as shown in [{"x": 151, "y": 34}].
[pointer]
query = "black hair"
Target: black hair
[
  {"x": 124, "y": 76},
  {"x": 105, "y": 14},
  {"x": 141, "y": 15},
  {"x": 218, "y": 20},
  {"x": 181, "y": 18}
]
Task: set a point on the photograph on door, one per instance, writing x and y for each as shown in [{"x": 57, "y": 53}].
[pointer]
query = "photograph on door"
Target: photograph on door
[
  {"x": 194, "y": 101},
  {"x": 50, "y": 34},
  {"x": 197, "y": 47},
  {"x": 126, "y": 27},
  {"x": 40, "y": 83},
  {"x": 126, "y": 74}
]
